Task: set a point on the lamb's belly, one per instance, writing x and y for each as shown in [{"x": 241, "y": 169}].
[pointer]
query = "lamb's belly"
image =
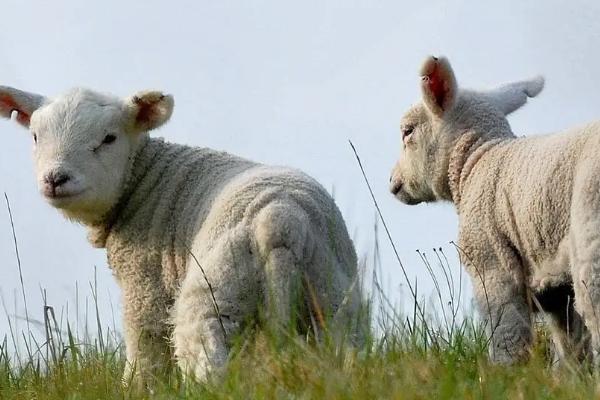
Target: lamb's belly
[{"x": 553, "y": 270}]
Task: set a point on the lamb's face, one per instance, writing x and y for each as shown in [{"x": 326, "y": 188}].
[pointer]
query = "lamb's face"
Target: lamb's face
[
  {"x": 412, "y": 175},
  {"x": 84, "y": 143},
  {"x": 81, "y": 151},
  {"x": 430, "y": 129},
  {"x": 416, "y": 174}
]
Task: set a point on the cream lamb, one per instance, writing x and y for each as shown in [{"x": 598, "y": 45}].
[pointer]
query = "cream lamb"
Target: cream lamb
[
  {"x": 529, "y": 208},
  {"x": 176, "y": 219}
]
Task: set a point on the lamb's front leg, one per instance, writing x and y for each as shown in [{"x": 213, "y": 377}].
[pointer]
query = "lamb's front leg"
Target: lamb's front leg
[
  {"x": 503, "y": 306},
  {"x": 146, "y": 336},
  {"x": 148, "y": 354},
  {"x": 500, "y": 294}
]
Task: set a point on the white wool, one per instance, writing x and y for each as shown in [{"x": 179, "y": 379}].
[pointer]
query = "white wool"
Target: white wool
[
  {"x": 528, "y": 207},
  {"x": 175, "y": 218}
]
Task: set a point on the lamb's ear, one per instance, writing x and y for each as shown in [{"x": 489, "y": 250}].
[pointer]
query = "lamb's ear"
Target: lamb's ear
[
  {"x": 148, "y": 110},
  {"x": 23, "y": 103},
  {"x": 512, "y": 96},
  {"x": 438, "y": 85}
]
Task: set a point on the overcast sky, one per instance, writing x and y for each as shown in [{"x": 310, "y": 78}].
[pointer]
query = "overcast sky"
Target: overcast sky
[{"x": 279, "y": 83}]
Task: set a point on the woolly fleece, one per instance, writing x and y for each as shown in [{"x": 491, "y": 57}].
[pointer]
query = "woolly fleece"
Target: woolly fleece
[
  {"x": 529, "y": 208},
  {"x": 182, "y": 224}
]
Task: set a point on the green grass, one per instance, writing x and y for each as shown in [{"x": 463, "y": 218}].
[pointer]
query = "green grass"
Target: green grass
[
  {"x": 414, "y": 355},
  {"x": 406, "y": 361}
]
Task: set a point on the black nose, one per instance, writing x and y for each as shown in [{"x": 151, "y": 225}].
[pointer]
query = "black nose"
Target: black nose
[
  {"x": 56, "y": 179},
  {"x": 395, "y": 187}
]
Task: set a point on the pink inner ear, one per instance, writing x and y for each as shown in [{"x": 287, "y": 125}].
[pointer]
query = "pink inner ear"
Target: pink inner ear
[
  {"x": 146, "y": 111},
  {"x": 8, "y": 105},
  {"x": 437, "y": 85}
]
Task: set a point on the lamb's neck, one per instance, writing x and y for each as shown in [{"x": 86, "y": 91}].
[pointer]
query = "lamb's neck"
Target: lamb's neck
[
  {"x": 139, "y": 164},
  {"x": 467, "y": 150},
  {"x": 165, "y": 181}
]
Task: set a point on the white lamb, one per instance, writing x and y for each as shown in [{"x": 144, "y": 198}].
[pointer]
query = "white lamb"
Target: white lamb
[
  {"x": 176, "y": 219},
  {"x": 529, "y": 208}
]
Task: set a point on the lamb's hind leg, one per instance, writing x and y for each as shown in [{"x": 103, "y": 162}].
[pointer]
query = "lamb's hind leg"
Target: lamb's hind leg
[
  {"x": 569, "y": 334},
  {"x": 570, "y": 337},
  {"x": 201, "y": 334}
]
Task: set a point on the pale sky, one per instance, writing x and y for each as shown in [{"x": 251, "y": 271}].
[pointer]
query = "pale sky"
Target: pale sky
[{"x": 279, "y": 83}]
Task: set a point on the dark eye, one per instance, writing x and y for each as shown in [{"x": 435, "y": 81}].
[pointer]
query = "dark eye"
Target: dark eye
[
  {"x": 108, "y": 139},
  {"x": 407, "y": 130},
  {"x": 34, "y": 138}
]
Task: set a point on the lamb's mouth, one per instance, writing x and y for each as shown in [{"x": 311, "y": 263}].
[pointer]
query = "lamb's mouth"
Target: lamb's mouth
[
  {"x": 405, "y": 198},
  {"x": 58, "y": 198}
]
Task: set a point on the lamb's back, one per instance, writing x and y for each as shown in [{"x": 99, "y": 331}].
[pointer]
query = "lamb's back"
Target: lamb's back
[
  {"x": 521, "y": 189},
  {"x": 258, "y": 187}
]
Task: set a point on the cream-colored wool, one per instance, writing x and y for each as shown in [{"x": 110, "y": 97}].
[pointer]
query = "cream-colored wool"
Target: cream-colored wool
[
  {"x": 175, "y": 218},
  {"x": 529, "y": 208}
]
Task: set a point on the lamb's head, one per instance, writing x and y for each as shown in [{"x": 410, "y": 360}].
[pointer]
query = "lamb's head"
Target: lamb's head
[
  {"x": 432, "y": 128},
  {"x": 84, "y": 142}
]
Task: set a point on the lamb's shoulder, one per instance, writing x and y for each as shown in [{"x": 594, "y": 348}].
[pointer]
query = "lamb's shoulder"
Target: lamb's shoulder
[{"x": 533, "y": 169}]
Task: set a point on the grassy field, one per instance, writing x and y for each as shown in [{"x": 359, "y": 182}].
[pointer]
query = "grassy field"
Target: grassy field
[
  {"x": 399, "y": 369},
  {"x": 438, "y": 354},
  {"x": 407, "y": 362}
]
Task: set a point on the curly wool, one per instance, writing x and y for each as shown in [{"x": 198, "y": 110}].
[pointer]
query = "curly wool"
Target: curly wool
[
  {"x": 526, "y": 187},
  {"x": 181, "y": 201},
  {"x": 529, "y": 234},
  {"x": 201, "y": 242},
  {"x": 527, "y": 209}
]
